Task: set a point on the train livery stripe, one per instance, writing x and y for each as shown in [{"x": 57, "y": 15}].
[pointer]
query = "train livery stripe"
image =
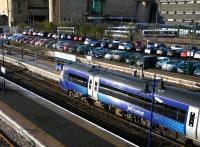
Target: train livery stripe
[
  {"x": 138, "y": 111},
  {"x": 138, "y": 92}
]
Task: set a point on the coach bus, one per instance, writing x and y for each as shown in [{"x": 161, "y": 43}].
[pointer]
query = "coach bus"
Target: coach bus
[{"x": 160, "y": 33}]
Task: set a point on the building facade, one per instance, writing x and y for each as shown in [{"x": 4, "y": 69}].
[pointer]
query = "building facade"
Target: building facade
[
  {"x": 179, "y": 11},
  {"x": 29, "y": 11},
  {"x": 82, "y": 10},
  {"x": 13, "y": 12}
]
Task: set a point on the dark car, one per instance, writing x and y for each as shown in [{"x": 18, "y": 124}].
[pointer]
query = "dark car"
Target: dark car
[
  {"x": 98, "y": 52},
  {"x": 83, "y": 49},
  {"x": 188, "y": 67}
]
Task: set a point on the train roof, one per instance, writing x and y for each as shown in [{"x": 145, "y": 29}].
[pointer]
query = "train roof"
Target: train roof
[
  {"x": 85, "y": 68},
  {"x": 170, "y": 92}
]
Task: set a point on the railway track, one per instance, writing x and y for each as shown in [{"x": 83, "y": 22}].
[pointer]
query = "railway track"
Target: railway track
[
  {"x": 4, "y": 141},
  {"x": 50, "y": 90}
]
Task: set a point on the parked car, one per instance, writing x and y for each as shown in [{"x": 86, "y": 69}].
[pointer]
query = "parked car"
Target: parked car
[
  {"x": 50, "y": 43},
  {"x": 183, "y": 53},
  {"x": 70, "y": 37},
  {"x": 88, "y": 41},
  {"x": 138, "y": 46},
  {"x": 191, "y": 51},
  {"x": 83, "y": 49},
  {"x": 197, "y": 72},
  {"x": 67, "y": 46},
  {"x": 125, "y": 46},
  {"x": 81, "y": 38},
  {"x": 75, "y": 38},
  {"x": 73, "y": 48},
  {"x": 96, "y": 43},
  {"x": 150, "y": 50},
  {"x": 116, "y": 55},
  {"x": 162, "y": 49},
  {"x": 98, "y": 52},
  {"x": 151, "y": 44},
  {"x": 160, "y": 61},
  {"x": 188, "y": 67},
  {"x": 132, "y": 58},
  {"x": 60, "y": 45},
  {"x": 171, "y": 65},
  {"x": 112, "y": 45},
  {"x": 197, "y": 55},
  {"x": 104, "y": 43}
]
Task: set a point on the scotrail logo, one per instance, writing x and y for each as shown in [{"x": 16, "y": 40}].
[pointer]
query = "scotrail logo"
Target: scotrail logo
[{"x": 135, "y": 110}]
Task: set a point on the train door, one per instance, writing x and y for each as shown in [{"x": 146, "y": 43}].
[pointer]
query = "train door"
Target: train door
[
  {"x": 198, "y": 128},
  {"x": 90, "y": 85},
  {"x": 96, "y": 88},
  {"x": 192, "y": 120}
]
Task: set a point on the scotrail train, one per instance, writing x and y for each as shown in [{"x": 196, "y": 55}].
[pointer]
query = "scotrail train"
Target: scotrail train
[{"x": 177, "y": 111}]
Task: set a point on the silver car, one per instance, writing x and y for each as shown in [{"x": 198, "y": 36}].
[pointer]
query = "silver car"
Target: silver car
[{"x": 171, "y": 65}]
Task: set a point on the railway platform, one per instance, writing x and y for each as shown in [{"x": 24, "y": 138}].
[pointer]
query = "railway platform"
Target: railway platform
[{"x": 50, "y": 124}]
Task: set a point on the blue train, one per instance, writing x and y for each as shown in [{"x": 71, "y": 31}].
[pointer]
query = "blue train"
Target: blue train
[{"x": 178, "y": 111}]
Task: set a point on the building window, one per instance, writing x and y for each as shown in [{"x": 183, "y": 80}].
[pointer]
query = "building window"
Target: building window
[
  {"x": 190, "y": 2},
  {"x": 171, "y": 12},
  {"x": 96, "y": 7},
  {"x": 163, "y": 3},
  {"x": 179, "y": 12},
  {"x": 180, "y": 2},
  {"x": 163, "y": 12},
  {"x": 197, "y": 12},
  {"x": 188, "y": 12}
]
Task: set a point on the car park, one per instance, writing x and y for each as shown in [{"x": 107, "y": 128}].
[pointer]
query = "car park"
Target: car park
[{"x": 171, "y": 65}]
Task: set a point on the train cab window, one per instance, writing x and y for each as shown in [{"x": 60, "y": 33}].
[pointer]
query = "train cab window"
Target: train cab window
[{"x": 191, "y": 121}]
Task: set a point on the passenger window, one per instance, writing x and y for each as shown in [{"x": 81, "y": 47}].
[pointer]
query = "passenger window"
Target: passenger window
[{"x": 191, "y": 121}]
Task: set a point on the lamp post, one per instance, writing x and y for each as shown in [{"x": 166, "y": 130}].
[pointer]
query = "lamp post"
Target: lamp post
[
  {"x": 2, "y": 51},
  {"x": 152, "y": 106},
  {"x": 121, "y": 15}
]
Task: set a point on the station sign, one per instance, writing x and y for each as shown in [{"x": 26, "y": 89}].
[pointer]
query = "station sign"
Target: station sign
[{"x": 65, "y": 56}]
